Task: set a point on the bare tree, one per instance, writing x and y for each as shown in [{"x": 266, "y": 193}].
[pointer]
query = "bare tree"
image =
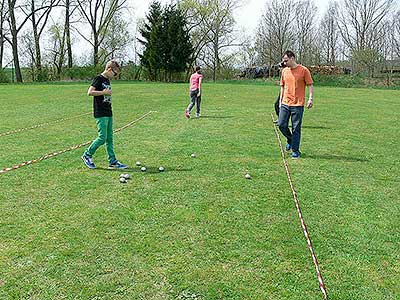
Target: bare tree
[
  {"x": 70, "y": 7},
  {"x": 99, "y": 14},
  {"x": 196, "y": 12},
  {"x": 39, "y": 13},
  {"x": 16, "y": 26},
  {"x": 116, "y": 39},
  {"x": 57, "y": 47},
  {"x": 221, "y": 34},
  {"x": 211, "y": 26},
  {"x": 305, "y": 30},
  {"x": 275, "y": 32},
  {"x": 361, "y": 23},
  {"x": 396, "y": 34},
  {"x": 3, "y": 17},
  {"x": 328, "y": 34}
]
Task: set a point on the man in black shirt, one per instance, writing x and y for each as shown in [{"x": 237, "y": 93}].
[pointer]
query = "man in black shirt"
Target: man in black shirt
[{"x": 100, "y": 89}]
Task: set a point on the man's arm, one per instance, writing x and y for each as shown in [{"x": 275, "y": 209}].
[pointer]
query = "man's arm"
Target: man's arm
[
  {"x": 310, "y": 96},
  {"x": 92, "y": 92}
]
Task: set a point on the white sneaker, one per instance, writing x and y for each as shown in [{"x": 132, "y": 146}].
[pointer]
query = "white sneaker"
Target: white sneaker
[{"x": 198, "y": 115}]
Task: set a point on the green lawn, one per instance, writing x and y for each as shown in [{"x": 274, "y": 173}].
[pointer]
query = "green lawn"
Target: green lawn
[{"x": 199, "y": 230}]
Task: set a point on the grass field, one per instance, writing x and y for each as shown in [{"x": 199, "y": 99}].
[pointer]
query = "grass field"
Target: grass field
[{"x": 199, "y": 230}]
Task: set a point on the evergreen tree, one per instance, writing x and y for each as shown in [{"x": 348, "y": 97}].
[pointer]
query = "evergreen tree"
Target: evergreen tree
[
  {"x": 152, "y": 32},
  {"x": 178, "y": 48},
  {"x": 166, "y": 41}
]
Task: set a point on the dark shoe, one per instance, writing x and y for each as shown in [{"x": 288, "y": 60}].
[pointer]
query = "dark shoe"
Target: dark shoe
[
  {"x": 117, "y": 165},
  {"x": 288, "y": 147},
  {"x": 88, "y": 161},
  {"x": 296, "y": 154}
]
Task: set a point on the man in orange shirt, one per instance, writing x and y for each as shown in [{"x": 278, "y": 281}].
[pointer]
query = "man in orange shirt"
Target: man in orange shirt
[{"x": 294, "y": 80}]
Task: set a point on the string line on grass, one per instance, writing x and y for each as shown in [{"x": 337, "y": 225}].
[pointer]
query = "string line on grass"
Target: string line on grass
[
  {"x": 41, "y": 125},
  {"x": 303, "y": 224},
  {"x": 49, "y": 155}
]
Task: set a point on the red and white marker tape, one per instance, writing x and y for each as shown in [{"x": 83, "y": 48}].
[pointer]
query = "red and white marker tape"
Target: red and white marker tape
[
  {"x": 303, "y": 224},
  {"x": 44, "y": 157},
  {"x": 41, "y": 125}
]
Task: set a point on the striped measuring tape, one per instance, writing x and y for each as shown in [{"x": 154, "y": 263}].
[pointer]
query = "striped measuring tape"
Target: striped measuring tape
[
  {"x": 41, "y": 125},
  {"x": 303, "y": 224},
  {"x": 50, "y": 155}
]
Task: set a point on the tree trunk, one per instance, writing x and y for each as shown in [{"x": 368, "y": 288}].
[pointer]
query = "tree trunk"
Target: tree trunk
[
  {"x": 62, "y": 55},
  {"x": 38, "y": 62},
  {"x": 67, "y": 31},
  {"x": 96, "y": 49},
  {"x": 13, "y": 29}
]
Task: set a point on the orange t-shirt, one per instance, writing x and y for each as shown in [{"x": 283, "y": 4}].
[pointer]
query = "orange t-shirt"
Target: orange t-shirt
[{"x": 294, "y": 82}]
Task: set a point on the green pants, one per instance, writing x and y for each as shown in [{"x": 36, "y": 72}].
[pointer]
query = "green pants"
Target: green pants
[{"x": 105, "y": 131}]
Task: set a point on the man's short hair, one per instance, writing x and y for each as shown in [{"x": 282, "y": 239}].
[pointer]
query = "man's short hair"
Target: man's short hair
[
  {"x": 289, "y": 54},
  {"x": 113, "y": 64}
]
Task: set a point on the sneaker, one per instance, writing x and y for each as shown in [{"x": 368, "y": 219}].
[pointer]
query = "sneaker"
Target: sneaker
[
  {"x": 288, "y": 147},
  {"x": 117, "y": 165},
  {"x": 88, "y": 161},
  {"x": 187, "y": 114},
  {"x": 296, "y": 154},
  {"x": 198, "y": 115}
]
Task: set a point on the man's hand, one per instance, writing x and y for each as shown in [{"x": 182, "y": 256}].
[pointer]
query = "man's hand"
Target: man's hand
[
  {"x": 199, "y": 94},
  {"x": 107, "y": 92},
  {"x": 310, "y": 103}
]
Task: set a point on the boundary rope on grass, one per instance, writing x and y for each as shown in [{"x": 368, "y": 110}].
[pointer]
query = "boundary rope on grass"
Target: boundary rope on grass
[
  {"x": 303, "y": 224},
  {"x": 47, "y": 156},
  {"x": 41, "y": 125}
]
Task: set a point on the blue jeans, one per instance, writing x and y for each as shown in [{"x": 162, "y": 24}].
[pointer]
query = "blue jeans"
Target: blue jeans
[
  {"x": 295, "y": 113},
  {"x": 194, "y": 99}
]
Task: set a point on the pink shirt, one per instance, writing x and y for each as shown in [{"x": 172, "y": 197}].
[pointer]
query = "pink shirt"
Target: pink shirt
[{"x": 195, "y": 81}]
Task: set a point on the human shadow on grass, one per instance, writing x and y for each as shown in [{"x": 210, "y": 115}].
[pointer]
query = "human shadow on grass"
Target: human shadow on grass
[
  {"x": 315, "y": 127},
  {"x": 214, "y": 117},
  {"x": 335, "y": 157},
  {"x": 149, "y": 170}
]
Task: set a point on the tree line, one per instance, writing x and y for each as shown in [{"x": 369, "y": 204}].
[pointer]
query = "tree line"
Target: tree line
[{"x": 43, "y": 35}]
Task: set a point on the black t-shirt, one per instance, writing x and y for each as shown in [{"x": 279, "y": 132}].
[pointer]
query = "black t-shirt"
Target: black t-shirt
[{"x": 101, "y": 104}]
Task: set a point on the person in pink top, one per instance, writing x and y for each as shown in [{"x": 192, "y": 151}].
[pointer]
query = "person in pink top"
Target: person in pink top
[{"x": 195, "y": 92}]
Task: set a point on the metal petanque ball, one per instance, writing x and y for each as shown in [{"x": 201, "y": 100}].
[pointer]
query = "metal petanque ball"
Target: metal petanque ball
[
  {"x": 127, "y": 176},
  {"x": 247, "y": 176},
  {"x": 161, "y": 169},
  {"x": 122, "y": 180},
  {"x": 143, "y": 169},
  {"x": 138, "y": 163},
  {"x": 193, "y": 155}
]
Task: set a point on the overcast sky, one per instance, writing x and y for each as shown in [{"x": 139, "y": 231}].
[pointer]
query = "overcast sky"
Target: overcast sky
[{"x": 247, "y": 16}]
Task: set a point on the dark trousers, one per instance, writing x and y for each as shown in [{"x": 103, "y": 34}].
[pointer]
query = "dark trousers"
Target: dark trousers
[
  {"x": 277, "y": 105},
  {"x": 295, "y": 113},
  {"x": 194, "y": 99}
]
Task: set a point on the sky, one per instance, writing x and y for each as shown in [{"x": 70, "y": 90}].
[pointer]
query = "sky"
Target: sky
[{"x": 247, "y": 16}]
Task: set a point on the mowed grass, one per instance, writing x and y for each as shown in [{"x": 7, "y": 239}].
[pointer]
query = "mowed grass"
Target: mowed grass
[{"x": 199, "y": 230}]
